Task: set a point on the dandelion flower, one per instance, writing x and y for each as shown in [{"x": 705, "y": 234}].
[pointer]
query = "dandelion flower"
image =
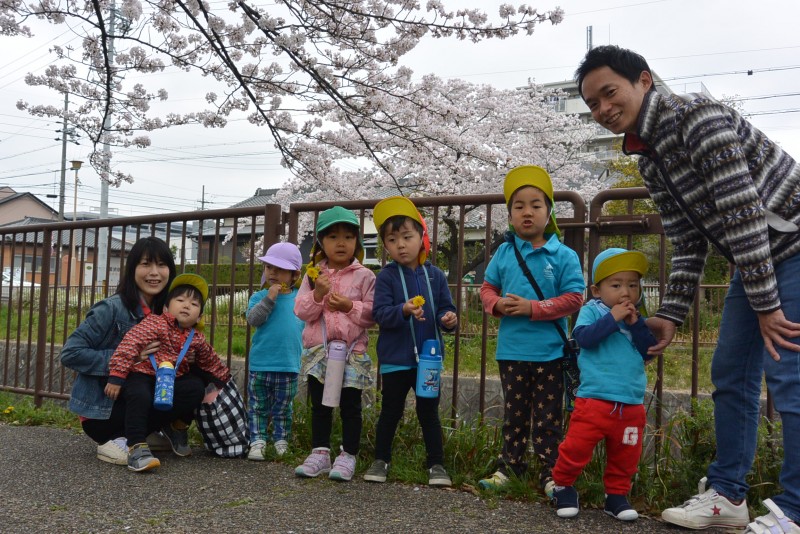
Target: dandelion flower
[
  {"x": 284, "y": 287},
  {"x": 312, "y": 273},
  {"x": 419, "y": 301},
  {"x": 8, "y": 410}
]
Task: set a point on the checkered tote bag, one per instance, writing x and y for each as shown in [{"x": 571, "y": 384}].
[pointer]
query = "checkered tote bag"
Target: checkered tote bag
[{"x": 223, "y": 423}]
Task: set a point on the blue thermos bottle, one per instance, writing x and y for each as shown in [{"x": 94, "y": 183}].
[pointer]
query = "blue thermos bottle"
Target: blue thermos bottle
[
  {"x": 429, "y": 369},
  {"x": 165, "y": 386}
]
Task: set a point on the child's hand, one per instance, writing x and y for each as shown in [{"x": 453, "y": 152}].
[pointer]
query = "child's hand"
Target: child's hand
[
  {"x": 409, "y": 308},
  {"x": 151, "y": 348},
  {"x": 514, "y": 305},
  {"x": 273, "y": 291},
  {"x": 112, "y": 391},
  {"x": 449, "y": 320},
  {"x": 321, "y": 287},
  {"x": 340, "y": 303},
  {"x": 622, "y": 312}
]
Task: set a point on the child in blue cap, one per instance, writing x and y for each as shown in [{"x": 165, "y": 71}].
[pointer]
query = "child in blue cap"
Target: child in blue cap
[{"x": 609, "y": 406}]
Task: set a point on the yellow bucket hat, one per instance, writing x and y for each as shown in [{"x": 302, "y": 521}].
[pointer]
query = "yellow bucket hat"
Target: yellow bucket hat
[
  {"x": 194, "y": 280},
  {"x": 531, "y": 175},
  {"x": 197, "y": 282},
  {"x": 615, "y": 260},
  {"x": 392, "y": 206}
]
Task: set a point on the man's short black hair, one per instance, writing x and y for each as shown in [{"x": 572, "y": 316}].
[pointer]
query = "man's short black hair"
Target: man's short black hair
[
  {"x": 394, "y": 223},
  {"x": 623, "y": 61}
]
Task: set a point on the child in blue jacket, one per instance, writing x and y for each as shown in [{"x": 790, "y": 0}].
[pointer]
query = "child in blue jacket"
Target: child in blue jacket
[{"x": 412, "y": 301}]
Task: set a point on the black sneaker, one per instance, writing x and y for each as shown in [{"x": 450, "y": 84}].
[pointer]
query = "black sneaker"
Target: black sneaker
[
  {"x": 178, "y": 439},
  {"x": 377, "y": 471},
  {"x": 618, "y": 506},
  {"x": 141, "y": 459},
  {"x": 437, "y": 476},
  {"x": 566, "y": 499}
]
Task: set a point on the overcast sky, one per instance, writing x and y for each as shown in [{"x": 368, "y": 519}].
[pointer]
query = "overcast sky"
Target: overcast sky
[{"x": 687, "y": 42}]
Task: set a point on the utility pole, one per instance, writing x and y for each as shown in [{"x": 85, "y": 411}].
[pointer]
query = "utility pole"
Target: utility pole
[
  {"x": 62, "y": 188},
  {"x": 102, "y": 237}
]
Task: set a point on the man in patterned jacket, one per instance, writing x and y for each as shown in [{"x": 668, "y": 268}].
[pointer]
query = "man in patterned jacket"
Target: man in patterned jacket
[{"x": 718, "y": 180}]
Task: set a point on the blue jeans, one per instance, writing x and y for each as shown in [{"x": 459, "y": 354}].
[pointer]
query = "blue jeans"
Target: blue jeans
[{"x": 738, "y": 364}]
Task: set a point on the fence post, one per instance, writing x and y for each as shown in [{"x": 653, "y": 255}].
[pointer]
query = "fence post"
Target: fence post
[{"x": 41, "y": 341}]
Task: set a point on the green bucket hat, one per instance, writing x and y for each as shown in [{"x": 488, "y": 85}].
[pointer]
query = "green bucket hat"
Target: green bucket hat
[{"x": 330, "y": 217}]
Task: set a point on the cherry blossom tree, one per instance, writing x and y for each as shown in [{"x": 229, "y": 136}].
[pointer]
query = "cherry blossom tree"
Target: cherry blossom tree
[
  {"x": 461, "y": 140},
  {"x": 325, "y": 59}
]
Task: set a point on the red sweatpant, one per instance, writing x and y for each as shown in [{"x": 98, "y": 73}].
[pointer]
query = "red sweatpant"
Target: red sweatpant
[{"x": 622, "y": 428}]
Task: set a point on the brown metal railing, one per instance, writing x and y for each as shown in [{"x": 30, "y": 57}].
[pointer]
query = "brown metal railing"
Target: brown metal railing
[{"x": 37, "y": 320}]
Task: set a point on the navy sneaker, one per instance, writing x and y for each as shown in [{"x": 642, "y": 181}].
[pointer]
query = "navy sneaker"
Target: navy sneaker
[
  {"x": 566, "y": 498},
  {"x": 618, "y": 506}
]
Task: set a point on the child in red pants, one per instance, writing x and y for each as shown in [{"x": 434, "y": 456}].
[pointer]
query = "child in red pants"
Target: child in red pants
[{"x": 614, "y": 341}]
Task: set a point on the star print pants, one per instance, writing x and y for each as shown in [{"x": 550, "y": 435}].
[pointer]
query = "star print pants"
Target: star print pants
[{"x": 534, "y": 404}]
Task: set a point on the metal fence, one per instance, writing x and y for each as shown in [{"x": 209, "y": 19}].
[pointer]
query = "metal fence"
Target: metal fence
[{"x": 223, "y": 245}]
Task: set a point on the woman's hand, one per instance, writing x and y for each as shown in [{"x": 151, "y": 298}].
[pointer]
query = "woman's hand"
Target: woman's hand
[{"x": 151, "y": 348}]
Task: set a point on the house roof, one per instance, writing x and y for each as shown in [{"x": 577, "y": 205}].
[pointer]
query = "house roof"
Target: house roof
[
  {"x": 17, "y": 196},
  {"x": 82, "y": 239}
]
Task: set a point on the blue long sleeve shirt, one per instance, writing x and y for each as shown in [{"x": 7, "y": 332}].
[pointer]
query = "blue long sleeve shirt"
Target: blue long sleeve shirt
[{"x": 612, "y": 355}]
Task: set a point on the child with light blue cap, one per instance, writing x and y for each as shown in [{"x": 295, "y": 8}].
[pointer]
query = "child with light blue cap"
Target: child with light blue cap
[{"x": 614, "y": 341}]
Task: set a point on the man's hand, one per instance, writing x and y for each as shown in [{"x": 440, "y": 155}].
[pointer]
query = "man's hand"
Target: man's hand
[
  {"x": 663, "y": 330},
  {"x": 776, "y": 329}
]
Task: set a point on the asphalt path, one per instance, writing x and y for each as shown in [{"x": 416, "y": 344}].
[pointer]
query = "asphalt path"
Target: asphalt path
[{"x": 50, "y": 481}]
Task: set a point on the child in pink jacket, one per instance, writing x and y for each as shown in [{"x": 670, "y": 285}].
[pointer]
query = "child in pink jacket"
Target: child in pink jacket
[{"x": 335, "y": 301}]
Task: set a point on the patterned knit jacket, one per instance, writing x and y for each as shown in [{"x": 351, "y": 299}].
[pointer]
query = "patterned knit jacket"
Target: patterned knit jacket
[
  {"x": 712, "y": 174},
  {"x": 163, "y": 328}
]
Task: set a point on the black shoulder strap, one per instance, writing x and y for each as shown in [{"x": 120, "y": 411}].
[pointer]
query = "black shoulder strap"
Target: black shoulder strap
[{"x": 527, "y": 272}]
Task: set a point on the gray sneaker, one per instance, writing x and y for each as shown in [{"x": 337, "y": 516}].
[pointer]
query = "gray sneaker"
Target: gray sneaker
[
  {"x": 377, "y": 471},
  {"x": 437, "y": 476},
  {"x": 141, "y": 459},
  {"x": 178, "y": 439}
]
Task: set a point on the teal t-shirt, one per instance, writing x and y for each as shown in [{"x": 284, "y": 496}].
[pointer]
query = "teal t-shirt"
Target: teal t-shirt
[{"x": 557, "y": 270}]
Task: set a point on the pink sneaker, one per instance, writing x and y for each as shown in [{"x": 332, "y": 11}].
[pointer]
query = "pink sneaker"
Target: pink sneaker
[
  {"x": 343, "y": 467},
  {"x": 317, "y": 463}
]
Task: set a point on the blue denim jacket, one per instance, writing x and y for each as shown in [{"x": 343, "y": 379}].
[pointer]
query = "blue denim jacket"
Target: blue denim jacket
[{"x": 88, "y": 351}]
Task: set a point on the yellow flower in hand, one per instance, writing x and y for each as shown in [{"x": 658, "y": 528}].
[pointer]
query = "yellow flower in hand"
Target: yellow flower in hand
[
  {"x": 418, "y": 301},
  {"x": 284, "y": 287},
  {"x": 312, "y": 273}
]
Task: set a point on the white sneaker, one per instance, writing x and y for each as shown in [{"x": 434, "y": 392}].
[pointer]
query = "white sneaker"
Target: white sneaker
[
  {"x": 775, "y": 522},
  {"x": 281, "y": 446},
  {"x": 708, "y": 509},
  {"x": 257, "y": 450},
  {"x": 114, "y": 451}
]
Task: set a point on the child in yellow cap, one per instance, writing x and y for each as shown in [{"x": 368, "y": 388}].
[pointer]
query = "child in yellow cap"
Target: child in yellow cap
[
  {"x": 614, "y": 341},
  {"x": 412, "y": 303},
  {"x": 176, "y": 330},
  {"x": 529, "y": 346}
]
